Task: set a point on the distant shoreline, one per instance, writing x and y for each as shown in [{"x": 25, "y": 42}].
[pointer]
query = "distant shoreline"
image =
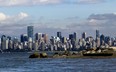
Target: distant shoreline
[{"x": 79, "y": 55}]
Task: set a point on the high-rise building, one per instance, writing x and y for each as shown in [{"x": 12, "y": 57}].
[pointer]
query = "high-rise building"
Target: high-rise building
[
  {"x": 35, "y": 45},
  {"x": 30, "y": 45},
  {"x": 59, "y": 34},
  {"x": 10, "y": 44},
  {"x": 84, "y": 35},
  {"x": 38, "y": 36},
  {"x": 24, "y": 38},
  {"x": 3, "y": 38},
  {"x": 15, "y": 43},
  {"x": 97, "y": 42},
  {"x": 4, "y": 42},
  {"x": 73, "y": 42},
  {"x": 71, "y": 36},
  {"x": 64, "y": 40},
  {"x": 97, "y": 34},
  {"x": 8, "y": 37},
  {"x": 45, "y": 37},
  {"x": 30, "y": 31},
  {"x": 102, "y": 38},
  {"x": 75, "y": 36}
]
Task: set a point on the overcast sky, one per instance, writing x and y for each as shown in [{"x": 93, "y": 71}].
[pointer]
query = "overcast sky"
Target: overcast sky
[{"x": 50, "y": 16}]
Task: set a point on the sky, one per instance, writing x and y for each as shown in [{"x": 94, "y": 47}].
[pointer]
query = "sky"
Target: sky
[{"x": 50, "y": 16}]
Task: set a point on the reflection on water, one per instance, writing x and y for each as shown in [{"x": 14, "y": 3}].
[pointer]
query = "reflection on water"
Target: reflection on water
[{"x": 19, "y": 62}]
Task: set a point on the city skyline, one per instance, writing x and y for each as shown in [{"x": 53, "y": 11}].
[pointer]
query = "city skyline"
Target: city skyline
[
  {"x": 41, "y": 42},
  {"x": 51, "y": 16},
  {"x": 30, "y": 33}
]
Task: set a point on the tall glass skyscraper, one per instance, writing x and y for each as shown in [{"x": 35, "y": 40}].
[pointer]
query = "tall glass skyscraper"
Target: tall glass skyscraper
[
  {"x": 84, "y": 35},
  {"x": 97, "y": 34},
  {"x": 24, "y": 38},
  {"x": 30, "y": 31},
  {"x": 75, "y": 36},
  {"x": 59, "y": 34},
  {"x": 4, "y": 42}
]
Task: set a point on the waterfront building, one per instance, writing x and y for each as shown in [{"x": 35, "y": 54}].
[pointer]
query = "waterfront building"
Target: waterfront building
[
  {"x": 64, "y": 47},
  {"x": 75, "y": 36},
  {"x": 45, "y": 37},
  {"x": 102, "y": 38},
  {"x": 42, "y": 46},
  {"x": 30, "y": 39},
  {"x": 90, "y": 39},
  {"x": 108, "y": 40},
  {"x": 38, "y": 36},
  {"x": 30, "y": 31},
  {"x": 4, "y": 42},
  {"x": 25, "y": 45},
  {"x": 30, "y": 43},
  {"x": 64, "y": 40},
  {"x": 71, "y": 36},
  {"x": 8, "y": 37},
  {"x": 84, "y": 35},
  {"x": 23, "y": 38},
  {"x": 51, "y": 47},
  {"x": 35, "y": 45},
  {"x": 20, "y": 45},
  {"x": 73, "y": 41},
  {"x": 97, "y": 34},
  {"x": 55, "y": 48},
  {"x": 15, "y": 43},
  {"x": 93, "y": 44},
  {"x": 10, "y": 44},
  {"x": 98, "y": 42},
  {"x": 59, "y": 34}
]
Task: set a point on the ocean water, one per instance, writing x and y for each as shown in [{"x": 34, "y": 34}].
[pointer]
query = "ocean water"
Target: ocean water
[{"x": 19, "y": 62}]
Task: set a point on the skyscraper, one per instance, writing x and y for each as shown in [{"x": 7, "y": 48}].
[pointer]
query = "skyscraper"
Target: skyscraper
[
  {"x": 30, "y": 31},
  {"x": 84, "y": 35},
  {"x": 64, "y": 40},
  {"x": 97, "y": 42},
  {"x": 97, "y": 34},
  {"x": 45, "y": 37},
  {"x": 59, "y": 35},
  {"x": 71, "y": 36},
  {"x": 102, "y": 38},
  {"x": 75, "y": 36},
  {"x": 4, "y": 42},
  {"x": 38, "y": 36},
  {"x": 24, "y": 38}
]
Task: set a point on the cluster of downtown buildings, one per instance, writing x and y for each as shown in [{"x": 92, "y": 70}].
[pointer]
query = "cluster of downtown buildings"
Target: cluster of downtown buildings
[{"x": 41, "y": 42}]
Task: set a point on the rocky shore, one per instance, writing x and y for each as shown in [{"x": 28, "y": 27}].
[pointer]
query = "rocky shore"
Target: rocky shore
[{"x": 68, "y": 54}]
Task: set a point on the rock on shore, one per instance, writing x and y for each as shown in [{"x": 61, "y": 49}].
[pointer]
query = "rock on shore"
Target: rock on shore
[{"x": 38, "y": 55}]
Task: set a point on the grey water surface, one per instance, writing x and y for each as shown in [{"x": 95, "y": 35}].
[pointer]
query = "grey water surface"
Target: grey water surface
[{"x": 19, "y": 62}]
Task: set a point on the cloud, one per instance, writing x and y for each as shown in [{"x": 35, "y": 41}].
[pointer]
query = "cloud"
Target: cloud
[
  {"x": 45, "y": 2},
  {"x": 10, "y": 24},
  {"x": 2, "y": 16},
  {"x": 27, "y": 2},
  {"x": 90, "y": 1},
  {"x": 106, "y": 23},
  {"x": 21, "y": 15},
  {"x": 108, "y": 19},
  {"x": 103, "y": 19},
  {"x": 17, "y": 24},
  {"x": 110, "y": 16}
]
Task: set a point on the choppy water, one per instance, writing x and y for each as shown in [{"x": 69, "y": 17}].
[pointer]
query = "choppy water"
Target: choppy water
[{"x": 19, "y": 62}]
